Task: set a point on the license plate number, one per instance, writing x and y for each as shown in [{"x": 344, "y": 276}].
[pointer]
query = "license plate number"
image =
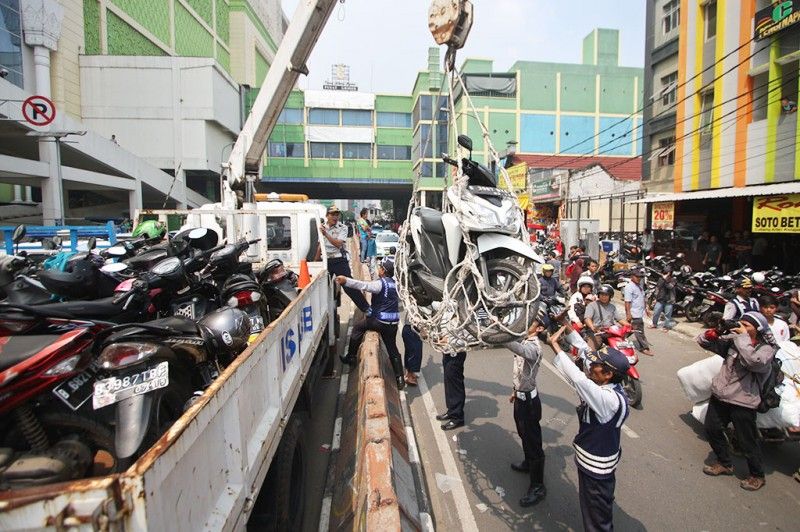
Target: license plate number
[
  {"x": 624, "y": 345},
  {"x": 115, "y": 389},
  {"x": 76, "y": 391}
]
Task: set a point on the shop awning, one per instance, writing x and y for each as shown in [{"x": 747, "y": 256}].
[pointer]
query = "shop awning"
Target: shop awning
[{"x": 734, "y": 192}]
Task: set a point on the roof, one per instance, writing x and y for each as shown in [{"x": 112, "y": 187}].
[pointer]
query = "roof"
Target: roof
[
  {"x": 624, "y": 168},
  {"x": 734, "y": 192}
]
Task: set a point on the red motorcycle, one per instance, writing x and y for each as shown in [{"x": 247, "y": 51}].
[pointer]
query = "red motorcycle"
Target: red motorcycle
[{"x": 617, "y": 336}]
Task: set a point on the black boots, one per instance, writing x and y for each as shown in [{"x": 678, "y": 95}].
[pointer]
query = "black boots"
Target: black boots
[
  {"x": 521, "y": 467},
  {"x": 536, "y": 491},
  {"x": 397, "y": 366}
]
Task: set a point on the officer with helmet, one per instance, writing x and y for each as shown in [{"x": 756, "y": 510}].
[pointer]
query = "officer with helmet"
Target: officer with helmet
[{"x": 742, "y": 303}]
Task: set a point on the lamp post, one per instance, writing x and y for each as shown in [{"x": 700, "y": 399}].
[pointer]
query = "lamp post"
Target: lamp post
[{"x": 58, "y": 218}]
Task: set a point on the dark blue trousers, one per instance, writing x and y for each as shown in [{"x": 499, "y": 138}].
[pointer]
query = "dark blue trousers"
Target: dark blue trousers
[
  {"x": 340, "y": 266},
  {"x": 412, "y": 344},
  {"x": 597, "y": 502}
]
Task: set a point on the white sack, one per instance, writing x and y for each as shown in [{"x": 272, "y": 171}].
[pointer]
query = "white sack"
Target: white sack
[{"x": 696, "y": 378}]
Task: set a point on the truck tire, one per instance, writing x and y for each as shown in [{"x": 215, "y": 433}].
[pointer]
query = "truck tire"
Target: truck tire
[{"x": 281, "y": 502}]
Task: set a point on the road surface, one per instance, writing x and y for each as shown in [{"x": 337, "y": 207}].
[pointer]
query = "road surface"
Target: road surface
[{"x": 660, "y": 485}]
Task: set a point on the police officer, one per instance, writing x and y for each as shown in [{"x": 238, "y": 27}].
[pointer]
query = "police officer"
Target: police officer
[
  {"x": 742, "y": 303},
  {"x": 528, "y": 412},
  {"x": 335, "y": 237},
  {"x": 455, "y": 394},
  {"x": 602, "y": 412},
  {"x": 383, "y": 317}
]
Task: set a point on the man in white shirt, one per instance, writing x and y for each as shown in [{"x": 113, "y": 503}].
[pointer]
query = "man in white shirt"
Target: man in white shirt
[
  {"x": 780, "y": 330},
  {"x": 736, "y": 308},
  {"x": 334, "y": 234},
  {"x": 636, "y": 308}
]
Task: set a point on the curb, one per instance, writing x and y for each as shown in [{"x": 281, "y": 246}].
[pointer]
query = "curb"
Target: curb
[{"x": 423, "y": 499}]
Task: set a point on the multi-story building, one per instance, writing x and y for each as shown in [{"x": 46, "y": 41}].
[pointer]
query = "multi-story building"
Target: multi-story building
[
  {"x": 157, "y": 86},
  {"x": 547, "y": 115},
  {"x": 342, "y": 144},
  {"x": 661, "y": 90},
  {"x": 737, "y": 151}
]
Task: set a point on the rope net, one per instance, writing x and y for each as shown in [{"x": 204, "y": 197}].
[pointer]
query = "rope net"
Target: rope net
[{"x": 486, "y": 300}]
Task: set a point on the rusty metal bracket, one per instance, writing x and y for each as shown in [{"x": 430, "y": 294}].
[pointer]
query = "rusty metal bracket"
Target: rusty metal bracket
[{"x": 111, "y": 513}]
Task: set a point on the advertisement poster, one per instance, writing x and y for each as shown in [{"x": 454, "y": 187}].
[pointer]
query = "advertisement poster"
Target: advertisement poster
[
  {"x": 518, "y": 175},
  {"x": 663, "y": 218},
  {"x": 776, "y": 214}
]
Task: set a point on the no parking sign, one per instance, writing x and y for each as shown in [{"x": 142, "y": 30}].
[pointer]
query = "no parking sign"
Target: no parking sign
[{"x": 39, "y": 110}]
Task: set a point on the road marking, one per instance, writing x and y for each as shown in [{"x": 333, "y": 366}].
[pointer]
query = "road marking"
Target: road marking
[
  {"x": 625, "y": 428},
  {"x": 426, "y": 521},
  {"x": 412, "y": 446},
  {"x": 325, "y": 515},
  {"x": 464, "y": 510},
  {"x": 337, "y": 434},
  {"x": 343, "y": 383}
]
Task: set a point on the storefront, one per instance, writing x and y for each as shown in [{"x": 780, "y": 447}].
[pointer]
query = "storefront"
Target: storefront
[{"x": 757, "y": 225}]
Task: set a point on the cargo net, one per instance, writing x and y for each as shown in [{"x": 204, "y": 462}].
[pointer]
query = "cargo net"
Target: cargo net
[{"x": 475, "y": 311}]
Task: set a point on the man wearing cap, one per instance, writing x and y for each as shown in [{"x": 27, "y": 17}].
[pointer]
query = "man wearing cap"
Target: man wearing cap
[
  {"x": 742, "y": 303},
  {"x": 383, "y": 318},
  {"x": 335, "y": 237},
  {"x": 635, "y": 308},
  {"x": 736, "y": 394},
  {"x": 528, "y": 412},
  {"x": 602, "y": 412}
]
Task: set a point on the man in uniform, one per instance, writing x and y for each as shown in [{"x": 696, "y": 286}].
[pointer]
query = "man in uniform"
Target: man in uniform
[
  {"x": 528, "y": 412},
  {"x": 742, "y": 303},
  {"x": 383, "y": 317},
  {"x": 335, "y": 237}
]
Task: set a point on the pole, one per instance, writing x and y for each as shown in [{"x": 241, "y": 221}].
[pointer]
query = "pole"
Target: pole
[{"x": 59, "y": 184}]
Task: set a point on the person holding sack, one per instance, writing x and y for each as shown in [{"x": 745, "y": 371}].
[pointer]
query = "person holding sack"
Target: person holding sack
[{"x": 736, "y": 393}]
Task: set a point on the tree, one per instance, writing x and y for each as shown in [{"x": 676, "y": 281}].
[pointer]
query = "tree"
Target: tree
[{"x": 387, "y": 206}]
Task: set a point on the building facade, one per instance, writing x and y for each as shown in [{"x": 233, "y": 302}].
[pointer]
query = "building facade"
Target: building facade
[
  {"x": 159, "y": 84},
  {"x": 342, "y": 144}
]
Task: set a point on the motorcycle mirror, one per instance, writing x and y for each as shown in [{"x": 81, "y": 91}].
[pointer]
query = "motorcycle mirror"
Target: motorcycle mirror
[
  {"x": 114, "y": 267},
  {"x": 48, "y": 244},
  {"x": 465, "y": 142},
  {"x": 57, "y": 240},
  {"x": 91, "y": 243},
  {"x": 117, "y": 251},
  {"x": 19, "y": 233},
  {"x": 196, "y": 234}
]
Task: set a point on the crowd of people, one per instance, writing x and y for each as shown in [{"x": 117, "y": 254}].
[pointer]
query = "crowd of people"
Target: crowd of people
[{"x": 748, "y": 347}]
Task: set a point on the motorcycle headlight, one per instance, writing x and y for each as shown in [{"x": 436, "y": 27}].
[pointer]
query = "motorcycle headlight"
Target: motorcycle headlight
[
  {"x": 480, "y": 214},
  {"x": 124, "y": 354},
  {"x": 513, "y": 221}
]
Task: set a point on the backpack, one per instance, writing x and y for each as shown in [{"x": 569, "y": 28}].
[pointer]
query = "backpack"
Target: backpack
[{"x": 770, "y": 398}]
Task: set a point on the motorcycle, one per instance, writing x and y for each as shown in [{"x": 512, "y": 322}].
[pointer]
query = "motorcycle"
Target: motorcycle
[
  {"x": 436, "y": 249},
  {"x": 151, "y": 372}
]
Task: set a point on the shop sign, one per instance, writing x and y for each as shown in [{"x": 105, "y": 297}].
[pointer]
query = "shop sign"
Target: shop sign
[
  {"x": 777, "y": 214},
  {"x": 518, "y": 175},
  {"x": 775, "y": 18},
  {"x": 663, "y": 217}
]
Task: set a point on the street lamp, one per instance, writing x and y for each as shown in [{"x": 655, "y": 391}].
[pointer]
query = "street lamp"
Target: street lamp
[{"x": 57, "y": 136}]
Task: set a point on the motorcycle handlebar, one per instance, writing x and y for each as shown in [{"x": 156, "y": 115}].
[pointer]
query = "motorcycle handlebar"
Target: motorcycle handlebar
[{"x": 449, "y": 160}]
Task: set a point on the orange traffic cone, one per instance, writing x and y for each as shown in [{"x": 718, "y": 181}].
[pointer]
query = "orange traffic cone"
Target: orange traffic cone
[{"x": 305, "y": 278}]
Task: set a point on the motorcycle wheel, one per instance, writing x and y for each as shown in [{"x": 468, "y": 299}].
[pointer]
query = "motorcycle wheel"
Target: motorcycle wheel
[
  {"x": 60, "y": 424},
  {"x": 503, "y": 274},
  {"x": 693, "y": 313},
  {"x": 633, "y": 390},
  {"x": 651, "y": 300}
]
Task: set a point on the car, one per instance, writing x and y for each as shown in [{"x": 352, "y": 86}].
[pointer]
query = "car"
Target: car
[
  {"x": 376, "y": 228},
  {"x": 386, "y": 243}
]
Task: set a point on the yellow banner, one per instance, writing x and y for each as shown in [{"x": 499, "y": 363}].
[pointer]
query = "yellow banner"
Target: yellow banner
[
  {"x": 518, "y": 175},
  {"x": 524, "y": 201},
  {"x": 663, "y": 218},
  {"x": 776, "y": 214}
]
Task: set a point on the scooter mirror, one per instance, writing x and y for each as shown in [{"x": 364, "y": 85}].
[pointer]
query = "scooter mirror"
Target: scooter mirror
[
  {"x": 196, "y": 234},
  {"x": 465, "y": 142},
  {"x": 117, "y": 251},
  {"x": 19, "y": 233},
  {"x": 114, "y": 267},
  {"x": 91, "y": 243},
  {"x": 57, "y": 240}
]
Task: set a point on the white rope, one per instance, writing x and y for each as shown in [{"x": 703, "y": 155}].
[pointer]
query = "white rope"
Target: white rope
[{"x": 460, "y": 321}]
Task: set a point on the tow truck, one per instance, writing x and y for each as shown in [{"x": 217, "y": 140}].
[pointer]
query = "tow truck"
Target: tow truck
[{"x": 235, "y": 451}]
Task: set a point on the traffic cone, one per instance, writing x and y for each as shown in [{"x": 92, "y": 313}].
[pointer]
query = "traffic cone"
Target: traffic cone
[{"x": 305, "y": 278}]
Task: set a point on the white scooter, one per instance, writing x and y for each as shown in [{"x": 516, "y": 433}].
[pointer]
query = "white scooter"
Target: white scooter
[{"x": 486, "y": 222}]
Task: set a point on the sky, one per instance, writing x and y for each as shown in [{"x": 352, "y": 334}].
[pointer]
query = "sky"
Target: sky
[{"x": 386, "y": 42}]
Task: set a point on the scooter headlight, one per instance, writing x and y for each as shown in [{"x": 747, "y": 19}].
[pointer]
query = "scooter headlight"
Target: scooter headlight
[
  {"x": 513, "y": 221},
  {"x": 480, "y": 215}
]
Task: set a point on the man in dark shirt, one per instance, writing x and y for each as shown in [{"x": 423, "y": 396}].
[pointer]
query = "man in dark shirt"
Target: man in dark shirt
[
  {"x": 549, "y": 284},
  {"x": 713, "y": 256}
]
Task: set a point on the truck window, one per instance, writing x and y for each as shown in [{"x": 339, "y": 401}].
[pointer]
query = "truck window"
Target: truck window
[{"x": 279, "y": 232}]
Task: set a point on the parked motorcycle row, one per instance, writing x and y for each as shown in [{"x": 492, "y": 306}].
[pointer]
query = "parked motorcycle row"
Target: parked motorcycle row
[{"x": 101, "y": 351}]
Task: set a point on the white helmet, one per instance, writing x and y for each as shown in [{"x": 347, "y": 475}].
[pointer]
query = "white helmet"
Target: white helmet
[
  {"x": 759, "y": 277},
  {"x": 585, "y": 279}
]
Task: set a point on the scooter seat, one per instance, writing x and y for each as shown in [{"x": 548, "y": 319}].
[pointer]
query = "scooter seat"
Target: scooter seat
[
  {"x": 100, "y": 309},
  {"x": 431, "y": 220},
  {"x": 20, "y": 348}
]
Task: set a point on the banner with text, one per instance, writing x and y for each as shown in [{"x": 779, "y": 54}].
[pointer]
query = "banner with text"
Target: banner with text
[
  {"x": 518, "y": 175},
  {"x": 776, "y": 214},
  {"x": 663, "y": 218}
]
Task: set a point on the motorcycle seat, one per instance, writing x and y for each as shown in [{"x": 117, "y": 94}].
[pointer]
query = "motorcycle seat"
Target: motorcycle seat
[
  {"x": 431, "y": 220},
  {"x": 147, "y": 259},
  {"x": 100, "y": 309},
  {"x": 20, "y": 348}
]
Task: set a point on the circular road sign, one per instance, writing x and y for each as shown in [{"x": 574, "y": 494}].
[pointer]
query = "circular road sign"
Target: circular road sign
[{"x": 38, "y": 110}]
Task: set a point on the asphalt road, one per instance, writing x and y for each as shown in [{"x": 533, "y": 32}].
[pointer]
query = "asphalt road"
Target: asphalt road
[{"x": 660, "y": 485}]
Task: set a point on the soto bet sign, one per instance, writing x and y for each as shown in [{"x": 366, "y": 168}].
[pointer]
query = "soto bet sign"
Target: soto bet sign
[{"x": 776, "y": 214}]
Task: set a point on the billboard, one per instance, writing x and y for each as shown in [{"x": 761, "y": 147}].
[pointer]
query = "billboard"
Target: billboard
[
  {"x": 776, "y": 214},
  {"x": 663, "y": 216}
]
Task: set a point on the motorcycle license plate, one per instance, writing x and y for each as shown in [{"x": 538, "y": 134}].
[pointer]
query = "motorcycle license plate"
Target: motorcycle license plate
[
  {"x": 76, "y": 391},
  {"x": 625, "y": 345},
  {"x": 115, "y": 389}
]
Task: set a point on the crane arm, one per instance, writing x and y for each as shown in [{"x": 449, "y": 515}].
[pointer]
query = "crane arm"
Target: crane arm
[{"x": 290, "y": 61}]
